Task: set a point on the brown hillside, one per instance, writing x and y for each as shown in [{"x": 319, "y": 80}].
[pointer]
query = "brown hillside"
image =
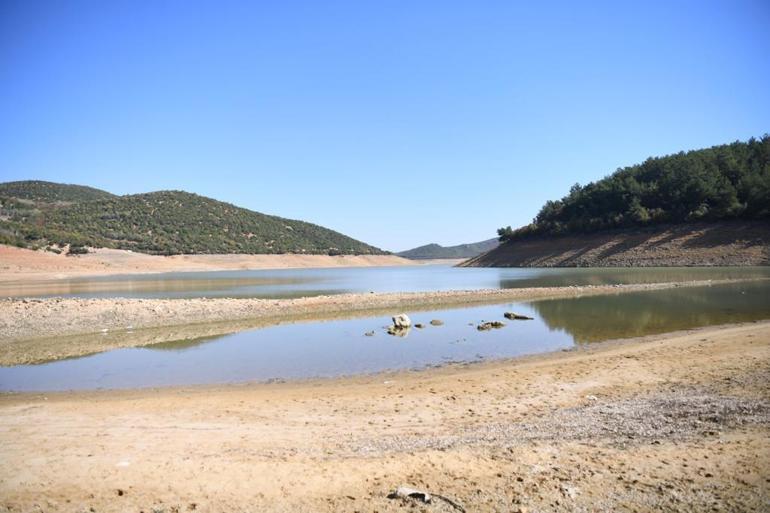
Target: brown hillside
[{"x": 697, "y": 244}]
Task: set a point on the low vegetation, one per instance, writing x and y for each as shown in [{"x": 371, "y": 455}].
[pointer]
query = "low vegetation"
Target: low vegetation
[
  {"x": 725, "y": 182},
  {"x": 49, "y": 192},
  {"x": 168, "y": 222}
]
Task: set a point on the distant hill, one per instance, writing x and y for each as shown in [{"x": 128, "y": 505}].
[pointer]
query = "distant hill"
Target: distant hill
[
  {"x": 49, "y": 192},
  {"x": 41, "y": 214},
  {"x": 461, "y": 251}
]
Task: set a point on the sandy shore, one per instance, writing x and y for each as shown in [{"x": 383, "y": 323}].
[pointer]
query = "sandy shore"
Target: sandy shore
[
  {"x": 35, "y": 330},
  {"x": 678, "y": 422},
  {"x": 24, "y": 265}
]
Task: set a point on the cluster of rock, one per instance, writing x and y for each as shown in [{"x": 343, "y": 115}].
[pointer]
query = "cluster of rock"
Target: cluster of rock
[
  {"x": 513, "y": 316},
  {"x": 402, "y": 324},
  {"x": 488, "y": 325}
]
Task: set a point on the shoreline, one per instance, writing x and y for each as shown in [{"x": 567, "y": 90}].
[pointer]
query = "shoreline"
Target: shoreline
[
  {"x": 19, "y": 265},
  {"x": 653, "y": 423},
  {"x": 37, "y": 330},
  {"x": 723, "y": 243}
]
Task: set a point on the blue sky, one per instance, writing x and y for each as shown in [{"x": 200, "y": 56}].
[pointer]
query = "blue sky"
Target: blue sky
[{"x": 398, "y": 123}]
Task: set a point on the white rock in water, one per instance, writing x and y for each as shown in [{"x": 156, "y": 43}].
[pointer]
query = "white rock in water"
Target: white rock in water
[{"x": 402, "y": 321}]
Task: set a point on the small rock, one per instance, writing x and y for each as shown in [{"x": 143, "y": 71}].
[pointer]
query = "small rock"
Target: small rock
[
  {"x": 436, "y": 322},
  {"x": 419, "y": 325},
  {"x": 485, "y": 326},
  {"x": 569, "y": 491},
  {"x": 369, "y": 334},
  {"x": 516, "y": 317}
]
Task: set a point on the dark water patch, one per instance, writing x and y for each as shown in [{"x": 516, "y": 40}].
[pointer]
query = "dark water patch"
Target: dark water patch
[{"x": 635, "y": 314}]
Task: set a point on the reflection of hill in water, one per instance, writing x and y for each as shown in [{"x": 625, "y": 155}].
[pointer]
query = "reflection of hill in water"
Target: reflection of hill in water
[
  {"x": 181, "y": 345},
  {"x": 596, "y": 318},
  {"x": 566, "y": 277}
]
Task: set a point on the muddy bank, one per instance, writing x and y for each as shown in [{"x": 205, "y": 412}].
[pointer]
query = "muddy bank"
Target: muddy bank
[
  {"x": 24, "y": 265},
  {"x": 35, "y": 330},
  {"x": 676, "y": 422},
  {"x": 696, "y": 244}
]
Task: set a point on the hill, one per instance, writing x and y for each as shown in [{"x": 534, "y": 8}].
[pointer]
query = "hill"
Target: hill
[
  {"x": 430, "y": 251},
  {"x": 50, "y": 192},
  {"x": 723, "y": 243},
  {"x": 702, "y": 207},
  {"x": 725, "y": 182},
  {"x": 166, "y": 222}
]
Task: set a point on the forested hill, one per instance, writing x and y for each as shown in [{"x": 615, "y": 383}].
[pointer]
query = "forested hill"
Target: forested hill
[
  {"x": 49, "y": 192},
  {"x": 460, "y": 251},
  {"x": 166, "y": 222},
  {"x": 725, "y": 182}
]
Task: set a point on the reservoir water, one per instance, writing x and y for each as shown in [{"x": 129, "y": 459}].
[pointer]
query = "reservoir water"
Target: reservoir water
[
  {"x": 340, "y": 347},
  {"x": 283, "y": 283}
]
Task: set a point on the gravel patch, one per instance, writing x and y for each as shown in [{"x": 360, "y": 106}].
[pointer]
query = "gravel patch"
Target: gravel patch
[{"x": 655, "y": 418}]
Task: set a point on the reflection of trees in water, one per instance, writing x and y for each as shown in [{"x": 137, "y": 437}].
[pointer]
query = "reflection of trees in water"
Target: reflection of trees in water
[
  {"x": 180, "y": 345},
  {"x": 560, "y": 277},
  {"x": 596, "y": 318}
]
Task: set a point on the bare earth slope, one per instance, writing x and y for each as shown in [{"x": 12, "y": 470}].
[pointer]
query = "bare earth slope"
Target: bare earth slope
[
  {"x": 18, "y": 264},
  {"x": 697, "y": 244},
  {"x": 676, "y": 422}
]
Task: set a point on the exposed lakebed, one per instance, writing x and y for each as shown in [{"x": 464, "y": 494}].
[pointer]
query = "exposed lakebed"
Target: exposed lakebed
[{"x": 340, "y": 347}]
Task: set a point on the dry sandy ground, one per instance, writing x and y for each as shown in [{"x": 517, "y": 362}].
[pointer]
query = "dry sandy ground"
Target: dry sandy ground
[
  {"x": 35, "y": 330},
  {"x": 24, "y": 265},
  {"x": 678, "y": 422}
]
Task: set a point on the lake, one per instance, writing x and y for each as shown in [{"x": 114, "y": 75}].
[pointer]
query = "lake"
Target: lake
[
  {"x": 340, "y": 347},
  {"x": 286, "y": 283}
]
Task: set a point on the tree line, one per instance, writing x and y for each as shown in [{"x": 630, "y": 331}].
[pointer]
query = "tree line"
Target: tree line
[{"x": 730, "y": 181}]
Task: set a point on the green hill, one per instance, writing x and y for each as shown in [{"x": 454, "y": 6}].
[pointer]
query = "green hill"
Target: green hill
[
  {"x": 166, "y": 222},
  {"x": 460, "y": 251},
  {"x": 49, "y": 192},
  {"x": 728, "y": 182}
]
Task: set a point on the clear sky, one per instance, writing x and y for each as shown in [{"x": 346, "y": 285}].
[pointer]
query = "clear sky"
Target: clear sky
[{"x": 398, "y": 123}]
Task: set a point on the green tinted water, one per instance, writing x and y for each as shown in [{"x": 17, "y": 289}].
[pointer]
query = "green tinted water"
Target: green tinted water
[{"x": 597, "y": 318}]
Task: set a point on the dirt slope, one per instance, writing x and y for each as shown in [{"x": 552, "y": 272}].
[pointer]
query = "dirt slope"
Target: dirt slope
[
  {"x": 17, "y": 264},
  {"x": 698, "y": 244}
]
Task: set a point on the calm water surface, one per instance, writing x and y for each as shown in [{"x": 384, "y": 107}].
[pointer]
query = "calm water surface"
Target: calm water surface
[
  {"x": 284, "y": 283},
  {"x": 336, "y": 348}
]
